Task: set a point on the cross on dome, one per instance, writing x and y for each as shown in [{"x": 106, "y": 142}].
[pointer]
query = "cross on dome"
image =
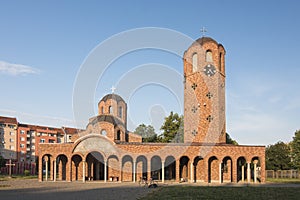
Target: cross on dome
[{"x": 113, "y": 89}]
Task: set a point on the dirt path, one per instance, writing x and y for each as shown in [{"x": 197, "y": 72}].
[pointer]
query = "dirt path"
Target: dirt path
[{"x": 32, "y": 189}]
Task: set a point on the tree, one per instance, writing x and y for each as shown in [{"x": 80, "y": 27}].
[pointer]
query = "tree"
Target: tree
[
  {"x": 230, "y": 141},
  {"x": 278, "y": 156},
  {"x": 295, "y": 150},
  {"x": 172, "y": 128},
  {"x": 2, "y": 162},
  {"x": 147, "y": 132}
]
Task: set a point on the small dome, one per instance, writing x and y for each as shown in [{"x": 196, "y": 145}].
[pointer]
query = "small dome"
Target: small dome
[
  {"x": 203, "y": 40},
  {"x": 112, "y": 96}
]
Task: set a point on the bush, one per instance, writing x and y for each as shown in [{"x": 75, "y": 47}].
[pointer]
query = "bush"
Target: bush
[{"x": 26, "y": 172}]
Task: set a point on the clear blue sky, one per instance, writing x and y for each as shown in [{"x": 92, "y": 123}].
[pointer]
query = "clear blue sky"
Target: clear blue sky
[{"x": 49, "y": 40}]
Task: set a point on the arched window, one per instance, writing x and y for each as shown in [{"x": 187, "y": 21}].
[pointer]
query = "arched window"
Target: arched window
[
  {"x": 209, "y": 56},
  {"x": 120, "y": 112},
  {"x": 102, "y": 110},
  {"x": 103, "y": 132},
  {"x": 110, "y": 110},
  {"x": 118, "y": 135},
  {"x": 195, "y": 62}
]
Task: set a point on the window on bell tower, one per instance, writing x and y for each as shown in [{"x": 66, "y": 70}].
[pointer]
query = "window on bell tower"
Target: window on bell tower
[
  {"x": 118, "y": 135},
  {"x": 195, "y": 62},
  {"x": 110, "y": 110},
  {"x": 120, "y": 113},
  {"x": 208, "y": 56}
]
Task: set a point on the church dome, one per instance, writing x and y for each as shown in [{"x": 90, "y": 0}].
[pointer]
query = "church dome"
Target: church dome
[
  {"x": 112, "y": 96},
  {"x": 203, "y": 40}
]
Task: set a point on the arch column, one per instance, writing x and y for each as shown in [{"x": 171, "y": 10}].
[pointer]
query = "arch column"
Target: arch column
[
  {"x": 83, "y": 170},
  {"x": 54, "y": 166},
  {"x": 177, "y": 170},
  {"x": 105, "y": 170},
  {"x": 40, "y": 168},
  {"x": 121, "y": 170},
  {"x": 192, "y": 172},
  {"x": 46, "y": 168},
  {"x": 134, "y": 171},
  {"x": 233, "y": 171},
  {"x": 255, "y": 172},
  {"x": 220, "y": 172},
  {"x": 51, "y": 169},
  {"x": 69, "y": 175},
  {"x": 162, "y": 171},
  {"x": 243, "y": 173},
  {"x": 248, "y": 172},
  {"x": 149, "y": 169}
]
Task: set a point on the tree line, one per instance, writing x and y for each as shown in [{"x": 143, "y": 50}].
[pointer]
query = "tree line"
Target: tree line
[
  {"x": 172, "y": 131},
  {"x": 284, "y": 156}
]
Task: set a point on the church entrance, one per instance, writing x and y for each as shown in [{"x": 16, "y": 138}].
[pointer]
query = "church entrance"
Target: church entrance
[{"x": 95, "y": 166}]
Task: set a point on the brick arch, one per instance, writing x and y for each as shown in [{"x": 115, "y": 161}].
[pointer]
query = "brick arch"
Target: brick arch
[
  {"x": 241, "y": 164},
  {"x": 94, "y": 142},
  {"x": 127, "y": 168},
  {"x": 76, "y": 166},
  {"x": 95, "y": 161},
  {"x": 156, "y": 171},
  {"x": 213, "y": 169},
  {"x": 184, "y": 167},
  {"x": 61, "y": 161},
  {"x": 198, "y": 169},
  {"x": 256, "y": 168},
  {"x": 119, "y": 133},
  {"x": 46, "y": 167},
  {"x": 142, "y": 167},
  {"x": 227, "y": 169},
  {"x": 170, "y": 168},
  {"x": 113, "y": 167}
]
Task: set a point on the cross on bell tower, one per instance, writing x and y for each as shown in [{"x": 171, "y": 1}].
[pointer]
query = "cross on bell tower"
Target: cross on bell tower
[{"x": 203, "y": 30}]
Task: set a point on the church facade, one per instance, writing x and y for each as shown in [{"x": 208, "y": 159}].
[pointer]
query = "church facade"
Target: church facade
[{"x": 107, "y": 151}]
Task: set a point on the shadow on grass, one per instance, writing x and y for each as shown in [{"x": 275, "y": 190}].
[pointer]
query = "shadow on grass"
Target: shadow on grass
[
  {"x": 73, "y": 193},
  {"x": 204, "y": 192}
]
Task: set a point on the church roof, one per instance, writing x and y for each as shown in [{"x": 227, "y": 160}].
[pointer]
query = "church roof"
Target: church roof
[
  {"x": 203, "y": 40},
  {"x": 106, "y": 118},
  {"x": 112, "y": 96}
]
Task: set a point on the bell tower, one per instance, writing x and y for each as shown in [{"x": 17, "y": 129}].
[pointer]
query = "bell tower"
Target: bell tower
[{"x": 204, "y": 92}]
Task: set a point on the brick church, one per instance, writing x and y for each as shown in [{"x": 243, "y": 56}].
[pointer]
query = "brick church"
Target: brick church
[{"x": 106, "y": 151}]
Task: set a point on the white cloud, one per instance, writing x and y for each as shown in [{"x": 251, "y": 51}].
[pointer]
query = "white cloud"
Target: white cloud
[{"x": 16, "y": 69}]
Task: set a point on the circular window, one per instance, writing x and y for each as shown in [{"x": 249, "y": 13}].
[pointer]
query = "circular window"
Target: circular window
[{"x": 103, "y": 132}]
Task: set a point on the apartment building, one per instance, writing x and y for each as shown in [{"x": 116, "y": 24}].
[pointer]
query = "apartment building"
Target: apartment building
[
  {"x": 19, "y": 142},
  {"x": 8, "y": 137}
]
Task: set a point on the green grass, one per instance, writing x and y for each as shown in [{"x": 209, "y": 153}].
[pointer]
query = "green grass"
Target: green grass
[
  {"x": 6, "y": 177},
  {"x": 201, "y": 192},
  {"x": 284, "y": 180}
]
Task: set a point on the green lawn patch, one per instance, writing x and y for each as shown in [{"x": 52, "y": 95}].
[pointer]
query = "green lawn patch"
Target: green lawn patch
[
  {"x": 204, "y": 192},
  {"x": 283, "y": 180},
  {"x": 6, "y": 177}
]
